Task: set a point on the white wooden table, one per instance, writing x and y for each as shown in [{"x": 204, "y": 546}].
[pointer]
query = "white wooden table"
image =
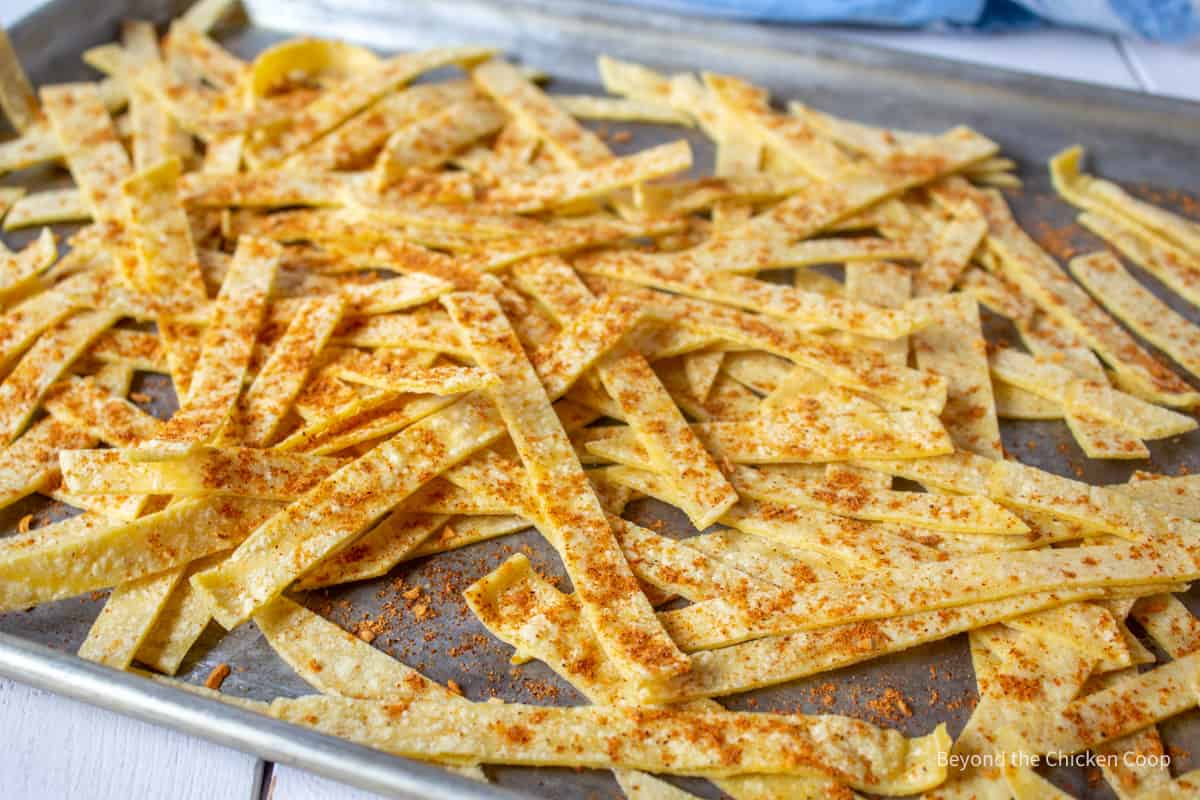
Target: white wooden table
[{"x": 53, "y": 747}]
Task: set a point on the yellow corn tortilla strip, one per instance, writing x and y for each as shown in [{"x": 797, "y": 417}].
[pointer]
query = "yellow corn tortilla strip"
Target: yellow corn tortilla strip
[
  {"x": 30, "y": 464},
  {"x": 954, "y": 348},
  {"x": 108, "y": 417},
  {"x": 1170, "y": 624},
  {"x": 583, "y": 341},
  {"x": 242, "y": 472},
  {"x": 721, "y": 193},
  {"x": 1089, "y": 628},
  {"x": 807, "y": 310},
  {"x": 226, "y": 348},
  {"x": 1133, "y": 304},
  {"x": 179, "y": 623},
  {"x": 759, "y": 371},
  {"x": 862, "y": 370},
  {"x": 17, "y": 98},
  {"x": 642, "y": 400},
  {"x": 49, "y": 207},
  {"x": 994, "y": 293},
  {"x": 563, "y": 237},
  {"x": 633, "y": 80},
  {"x": 627, "y": 736},
  {"x": 440, "y": 496},
  {"x": 616, "y": 109},
  {"x": 564, "y": 188},
  {"x": 43, "y": 364},
  {"x": 1108, "y": 199},
  {"x": 419, "y": 330},
  {"x": 891, "y": 592},
  {"x": 138, "y": 350},
  {"x": 1048, "y": 340},
  {"x": 127, "y": 617},
  {"x": 187, "y": 47},
  {"x": 385, "y": 369},
  {"x": 155, "y": 135},
  {"x": 182, "y": 342},
  {"x": 702, "y": 369},
  {"x": 570, "y": 143},
  {"x": 1098, "y": 438},
  {"x": 161, "y": 233},
  {"x": 261, "y": 410},
  {"x": 959, "y": 239},
  {"x": 332, "y": 108},
  {"x": 880, "y": 283},
  {"x": 38, "y": 146},
  {"x": 640, "y": 786},
  {"x": 332, "y": 436},
  {"x": 1177, "y": 495},
  {"x": 329, "y": 516},
  {"x": 967, "y": 513},
  {"x": 430, "y": 142},
  {"x": 352, "y": 143},
  {"x": 1170, "y": 264},
  {"x": 575, "y": 522},
  {"x": 8, "y": 196},
  {"x": 960, "y": 472},
  {"x": 394, "y": 539},
  {"x": 94, "y": 553},
  {"x": 272, "y": 188},
  {"x": 20, "y": 272},
  {"x": 1100, "y": 507},
  {"x": 1039, "y": 276}
]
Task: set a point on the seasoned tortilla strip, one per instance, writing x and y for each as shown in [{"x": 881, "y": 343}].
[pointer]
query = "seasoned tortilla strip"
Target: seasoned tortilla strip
[
  {"x": 187, "y": 47},
  {"x": 332, "y": 108},
  {"x": 275, "y": 188},
  {"x": 331, "y": 436},
  {"x": 394, "y": 539},
  {"x": 702, "y": 369},
  {"x": 995, "y": 294},
  {"x": 127, "y": 617},
  {"x": 959, "y": 239},
  {"x": 575, "y": 521},
  {"x": 17, "y": 99},
  {"x": 1039, "y": 276},
  {"x": 38, "y": 146},
  {"x": 1110, "y": 200},
  {"x": 617, "y": 109},
  {"x": 1097, "y": 506},
  {"x": 1047, "y": 338},
  {"x": 155, "y": 135},
  {"x": 20, "y": 272},
  {"x": 42, "y": 365},
  {"x": 352, "y": 143},
  {"x": 571, "y": 143},
  {"x": 564, "y": 188},
  {"x": 628, "y": 736},
  {"x": 1178, "y": 496},
  {"x": 644, "y": 402},
  {"x": 1169, "y": 622},
  {"x": 96, "y": 553},
  {"x": 863, "y": 370},
  {"x": 689, "y": 196},
  {"x": 583, "y": 341},
  {"x": 49, "y": 207},
  {"x": 243, "y": 472},
  {"x": 640, "y": 786},
  {"x": 880, "y": 283},
  {"x": 633, "y": 80},
  {"x": 329, "y": 516},
  {"x": 440, "y": 496},
  {"x": 1098, "y": 438},
  {"x": 563, "y": 237},
  {"x": 261, "y": 410},
  {"x": 785, "y": 438},
  {"x": 954, "y": 348},
  {"x": 30, "y": 463},
  {"x": 907, "y": 590},
  {"x": 1170, "y": 264},
  {"x": 960, "y": 473},
  {"x": 427, "y": 143},
  {"x": 396, "y": 372},
  {"x": 968, "y": 514},
  {"x": 420, "y": 330},
  {"x": 807, "y": 310},
  {"x": 179, "y": 623},
  {"x": 138, "y": 350},
  {"x": 1133, "y": 304},
  {"x": 226, "y": 347},
  {"x": 160, "y": 231},
  {"x": 1089, "y": 628},
  {"x": 104, "y": 415}
]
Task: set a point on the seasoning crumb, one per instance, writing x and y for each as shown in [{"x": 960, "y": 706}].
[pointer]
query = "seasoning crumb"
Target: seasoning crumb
[
  {"x": 453, "y": 686},
  {"x": 140, "y": 397},
  {"x": 218, "y": 675},
  {"x": 25, "y": 524}
]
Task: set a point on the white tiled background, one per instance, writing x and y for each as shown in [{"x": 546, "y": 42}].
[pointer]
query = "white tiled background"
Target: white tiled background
[{"x": 53, "y": 747}]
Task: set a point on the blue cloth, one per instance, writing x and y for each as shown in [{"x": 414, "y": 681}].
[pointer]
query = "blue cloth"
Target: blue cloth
[{"x": 1165, "y": 20}]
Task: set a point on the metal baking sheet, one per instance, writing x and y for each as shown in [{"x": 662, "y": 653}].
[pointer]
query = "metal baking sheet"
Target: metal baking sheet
[{"x": 1146, "y": 142}]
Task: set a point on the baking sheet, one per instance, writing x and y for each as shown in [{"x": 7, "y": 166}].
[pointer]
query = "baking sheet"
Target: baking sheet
[{"x": 1147, "y": 142}]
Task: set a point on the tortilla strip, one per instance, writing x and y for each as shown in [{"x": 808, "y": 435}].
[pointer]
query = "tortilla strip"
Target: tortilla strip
[
  {"x": 161, "y": 233},
  {"x": 104, "y": 415},
  {"x": 20, "y": 272},
  {"x": 1170, "y": 264},
  {"x": 49, "y": 207},
  {"x": 241, "y": 472},
  {"x": 1039, "y": 276},
  {"x": 156, "y": 137},
  {"x": 616, "y": 109},
  {"x": 440, "y": 496},
  {"x": 906, "y": 590},
  {"x": 431, "y": 141},
  {"x": 89, "y": 552},
  {"x": 563, "y": 188},
  {"x": 127, "y": 617},
  {"x": 138, "y": 350},
  {"x": 1169, "y": 622},
  {"x": 702, "y": 369},
  {"x": 17, "y": 98},
  {"x": 575, "y": 521},
  {"x": 420, "y": 330},
  {"x": 30, "y": 463},
  {"x": 180, "y": 621},
  {"x": 584, "y": 340},
  {"x": 629, "y": 736},
  {"x": 344, "y": 431},
  {"x": 329, "y": 516},
  {"x": 643, "y": 401},
  {"x": 395, "y": 538},
  {"x": 226, "y": 348},
  {"x": 1133, "y": 304},
  {"x": 332, "y": 108},
  {"x": 880, "y": 283},
  {"x": 1178, "y": 495},
  {"x": 42, "y": 365},
  {"x": 395, "y": 372},
  {"x": 959, "y": 239},
  {"x": 260, "y": 411},
  {"x": 967, "y": 514},
  {"x": 954, "y": 348},
  {"x": 571, "y": 144}
]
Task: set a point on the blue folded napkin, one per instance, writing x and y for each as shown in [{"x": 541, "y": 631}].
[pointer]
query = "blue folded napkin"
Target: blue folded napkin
[{"x": 1164, "y": 20}]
